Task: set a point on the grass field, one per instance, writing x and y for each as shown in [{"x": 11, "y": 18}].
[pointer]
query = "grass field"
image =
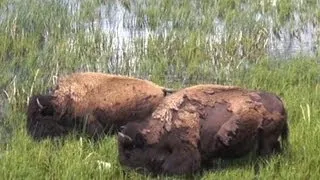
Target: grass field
[{"x": 41, "y": 40}]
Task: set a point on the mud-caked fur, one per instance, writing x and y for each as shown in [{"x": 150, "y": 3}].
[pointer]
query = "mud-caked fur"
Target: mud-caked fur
[
  {"x": 96, "y": 102},
  {"x": 195, "y": 125}
]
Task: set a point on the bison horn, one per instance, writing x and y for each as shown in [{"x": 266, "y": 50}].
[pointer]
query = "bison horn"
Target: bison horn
[
  {"x": 124, "y": 138},
  {"x": 167, "y": 91},
  {"x": 40, "y": 105}
]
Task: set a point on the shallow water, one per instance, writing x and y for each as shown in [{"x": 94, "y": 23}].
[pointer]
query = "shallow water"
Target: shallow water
[{"x": 294, "y": 38}]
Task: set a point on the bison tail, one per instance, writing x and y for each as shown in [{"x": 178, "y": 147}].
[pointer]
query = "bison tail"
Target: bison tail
[{"x": 285, "y": 135}]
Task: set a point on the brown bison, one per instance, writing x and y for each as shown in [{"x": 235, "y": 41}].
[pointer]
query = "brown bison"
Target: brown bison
[
  {"x": 195, "y": 125},
  {"x": 99, "y": 102}
]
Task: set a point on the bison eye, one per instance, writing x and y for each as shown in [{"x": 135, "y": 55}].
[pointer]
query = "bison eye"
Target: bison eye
[
  {"x": 127, "y": 155},
  {"x": 129, "y": 146},
  {"x": 139, "y": 141}
]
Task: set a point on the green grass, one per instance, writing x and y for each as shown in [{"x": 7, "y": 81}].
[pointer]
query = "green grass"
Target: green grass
[
  {"x": 297, "y": 81},
  {"x": 36, "y": 47}
]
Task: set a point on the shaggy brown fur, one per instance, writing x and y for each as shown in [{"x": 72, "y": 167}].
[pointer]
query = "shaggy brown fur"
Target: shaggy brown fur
[
  {"x": 197, "y": 124},
  {"x": 99, "y": 102}
]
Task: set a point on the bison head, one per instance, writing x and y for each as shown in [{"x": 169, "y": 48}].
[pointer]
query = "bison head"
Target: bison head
[
  {"x": 40, "y": 118},
  {"x": 135, "y": 152},
  {"x": 158, "y": 154}
]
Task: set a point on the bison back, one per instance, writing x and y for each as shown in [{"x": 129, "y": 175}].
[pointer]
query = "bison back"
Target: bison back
[{"x": 112, "y": 99}]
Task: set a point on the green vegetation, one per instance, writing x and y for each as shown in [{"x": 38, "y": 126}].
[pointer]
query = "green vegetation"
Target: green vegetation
[{"x": 41, "y": 40}]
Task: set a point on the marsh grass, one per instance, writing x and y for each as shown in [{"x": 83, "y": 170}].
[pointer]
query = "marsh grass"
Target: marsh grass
[
  {"x": 77, "y": 157},
  {"x": 42, "y": 40}
]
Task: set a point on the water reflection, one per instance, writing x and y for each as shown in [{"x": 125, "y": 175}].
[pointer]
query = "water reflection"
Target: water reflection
[{"x": 294, "y": 38}]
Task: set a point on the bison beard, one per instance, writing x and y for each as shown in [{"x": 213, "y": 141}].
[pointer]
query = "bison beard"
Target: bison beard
[
  {"x": 95, "y": 102},
  {"x": 193, "y": 126}
]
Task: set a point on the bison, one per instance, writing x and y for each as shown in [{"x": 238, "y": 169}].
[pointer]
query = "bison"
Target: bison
[
  {"x": 96, "y": 102},
  {"x": 195, "y": 125}
]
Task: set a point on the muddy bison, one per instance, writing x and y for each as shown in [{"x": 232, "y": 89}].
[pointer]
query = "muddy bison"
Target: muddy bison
[
  {"x": 195, "y": 125},
  {"x": 95, "y": 102}
]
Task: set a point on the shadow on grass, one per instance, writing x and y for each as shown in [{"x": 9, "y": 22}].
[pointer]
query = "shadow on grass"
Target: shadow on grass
[{"x": 250, "y": 161}]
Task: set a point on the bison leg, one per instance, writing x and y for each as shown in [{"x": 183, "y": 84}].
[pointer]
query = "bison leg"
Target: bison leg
[
  {"x": 236, "y": 137},
  {"x": 94, "y": 128}
]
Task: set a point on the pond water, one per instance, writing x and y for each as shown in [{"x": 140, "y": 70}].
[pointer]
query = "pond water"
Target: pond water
[{"x": 294, "y": 38}]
